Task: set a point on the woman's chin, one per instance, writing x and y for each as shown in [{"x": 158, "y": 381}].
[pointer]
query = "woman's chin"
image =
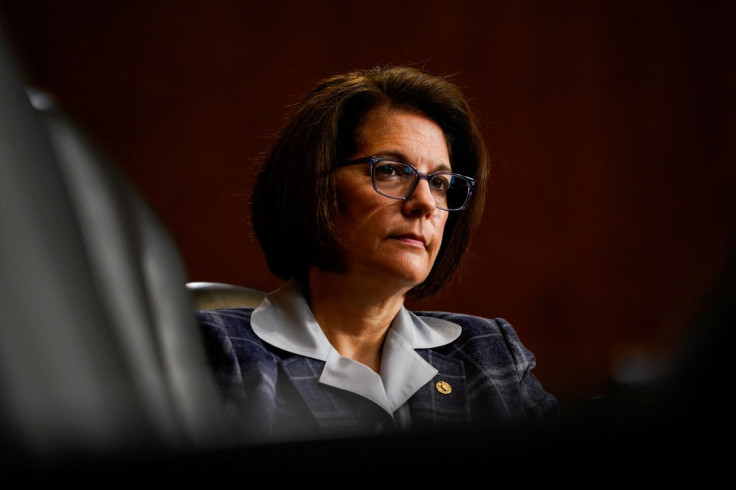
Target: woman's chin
[{"x": 399, "y": 278}]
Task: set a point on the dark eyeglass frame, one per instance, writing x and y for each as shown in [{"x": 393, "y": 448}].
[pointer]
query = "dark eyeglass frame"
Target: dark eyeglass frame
[{"x": 374, "y": 160}]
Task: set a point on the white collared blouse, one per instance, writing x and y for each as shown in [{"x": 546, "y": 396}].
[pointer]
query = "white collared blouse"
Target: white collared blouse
[{"x": 285, "y": 320}]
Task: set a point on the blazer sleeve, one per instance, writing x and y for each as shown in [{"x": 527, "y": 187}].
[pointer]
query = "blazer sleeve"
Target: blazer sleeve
[
  {"x": 538, "y": 403},
  {"x": 499, "y": 372}
]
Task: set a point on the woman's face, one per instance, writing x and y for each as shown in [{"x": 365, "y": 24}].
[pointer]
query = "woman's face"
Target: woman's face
[{"x": 392, "y": 242}]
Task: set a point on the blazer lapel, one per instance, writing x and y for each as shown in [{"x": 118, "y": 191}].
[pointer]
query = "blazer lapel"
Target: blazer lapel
[
  {"x": 304, "y": 373},
  {"x": 444, "y": 400},
  {"x": 441, "y": 402},
  {"x": 334, "y": 410}
]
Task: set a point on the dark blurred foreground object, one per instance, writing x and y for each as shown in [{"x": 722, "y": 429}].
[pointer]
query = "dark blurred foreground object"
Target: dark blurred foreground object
[
  {"x": 99, "y": 351},
  {"x": 694, "y": 399},
  {"x": 678, "y": 421}
]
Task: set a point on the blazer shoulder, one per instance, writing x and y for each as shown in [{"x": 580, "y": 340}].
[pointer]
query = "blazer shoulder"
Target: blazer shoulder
[
  {"x": 230, "y": 321},
  {"x": 228, "y": 331},
  {"x": 494, "y": 333},
  {"x": 471, "y": 324}
]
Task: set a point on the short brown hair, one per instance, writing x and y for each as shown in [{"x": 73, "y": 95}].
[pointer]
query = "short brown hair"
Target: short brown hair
[{"x": 294, "y": 201}]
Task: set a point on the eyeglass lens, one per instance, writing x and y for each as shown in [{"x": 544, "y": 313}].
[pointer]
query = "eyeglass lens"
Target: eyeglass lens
[{"x": 398, "y": 180}]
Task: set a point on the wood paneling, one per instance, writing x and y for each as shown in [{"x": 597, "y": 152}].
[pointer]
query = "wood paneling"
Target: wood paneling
[{"x": 611, "y": 207}]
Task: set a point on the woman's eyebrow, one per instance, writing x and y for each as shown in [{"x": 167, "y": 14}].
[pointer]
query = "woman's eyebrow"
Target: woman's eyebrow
[{"x": 393, "y": 154}]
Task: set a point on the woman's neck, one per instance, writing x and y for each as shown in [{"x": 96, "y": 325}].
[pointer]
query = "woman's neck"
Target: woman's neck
[{"x": 354, "y": 316}]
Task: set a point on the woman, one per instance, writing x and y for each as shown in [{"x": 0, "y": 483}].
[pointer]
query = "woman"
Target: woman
[{"x": 370, "y": 195}]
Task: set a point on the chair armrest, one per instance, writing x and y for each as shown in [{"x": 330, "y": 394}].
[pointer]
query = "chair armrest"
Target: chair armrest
[{"x": 212, "y": 295}]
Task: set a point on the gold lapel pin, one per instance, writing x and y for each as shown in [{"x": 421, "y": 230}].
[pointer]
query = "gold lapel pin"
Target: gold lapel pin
[{"x": 443, "y": 387}]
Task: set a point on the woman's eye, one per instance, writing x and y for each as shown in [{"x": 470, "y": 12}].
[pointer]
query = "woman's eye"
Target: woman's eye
[
  {"x": 440, "y": 183},
  {"x": 394, "y": 170},
  {"x": 387, "y": 169}
]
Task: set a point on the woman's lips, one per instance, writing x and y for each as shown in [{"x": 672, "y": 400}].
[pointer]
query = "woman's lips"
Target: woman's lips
[{"x": 410, "y": 239}]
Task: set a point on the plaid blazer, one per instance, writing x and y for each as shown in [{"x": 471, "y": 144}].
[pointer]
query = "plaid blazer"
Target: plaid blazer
[{"x": 484, "y": 380}]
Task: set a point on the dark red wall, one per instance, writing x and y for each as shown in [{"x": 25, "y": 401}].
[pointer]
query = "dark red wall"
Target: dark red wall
[{"x": 611, "y": 206}]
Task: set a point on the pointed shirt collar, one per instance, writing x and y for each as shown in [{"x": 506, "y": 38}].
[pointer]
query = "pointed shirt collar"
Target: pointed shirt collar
[{"x": 285, "y": 320}]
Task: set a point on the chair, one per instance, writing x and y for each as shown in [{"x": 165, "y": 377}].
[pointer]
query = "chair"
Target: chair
[
  {"x": 211, "y": 295},
  {"x": 99, "y": 348}
]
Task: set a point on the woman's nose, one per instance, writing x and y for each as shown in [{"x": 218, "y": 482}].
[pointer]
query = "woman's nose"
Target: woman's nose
[{"x": 421, "y": 200}]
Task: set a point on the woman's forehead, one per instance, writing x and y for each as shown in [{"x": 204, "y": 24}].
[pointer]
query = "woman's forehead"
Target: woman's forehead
[{"x": 402, "y": 135}]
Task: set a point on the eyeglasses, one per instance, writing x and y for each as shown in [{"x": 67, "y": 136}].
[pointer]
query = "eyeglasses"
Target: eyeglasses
[{"x": 398, "y": 180}]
